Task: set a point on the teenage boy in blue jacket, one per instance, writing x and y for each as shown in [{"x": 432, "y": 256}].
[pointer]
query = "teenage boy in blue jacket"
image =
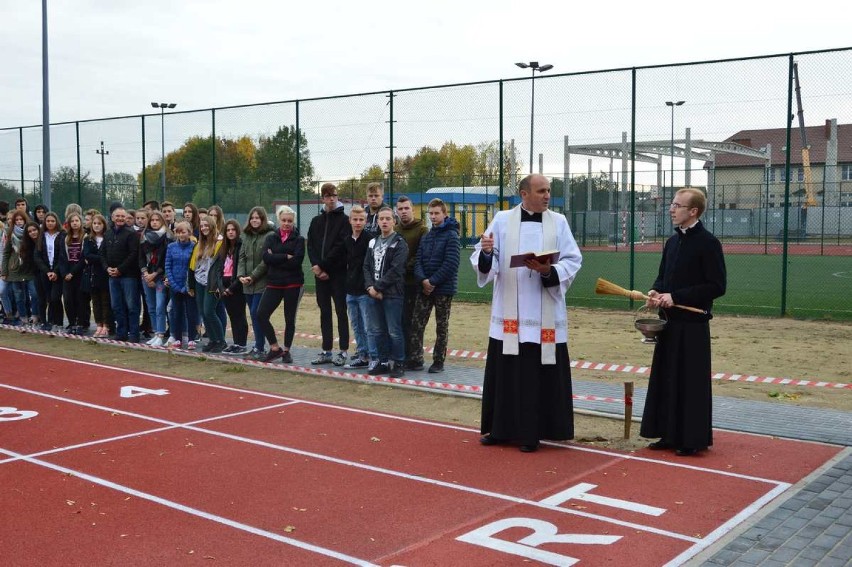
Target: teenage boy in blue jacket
[{"x": 437, "y": 269}]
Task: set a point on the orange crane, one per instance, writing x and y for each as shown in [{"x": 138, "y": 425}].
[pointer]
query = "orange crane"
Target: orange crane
[{"x": 810, "y": 199}]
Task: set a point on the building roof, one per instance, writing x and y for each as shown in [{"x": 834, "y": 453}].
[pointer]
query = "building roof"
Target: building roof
[{"x": 817, "y": 139}]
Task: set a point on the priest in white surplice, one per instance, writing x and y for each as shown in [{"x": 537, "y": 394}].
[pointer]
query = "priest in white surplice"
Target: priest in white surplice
[{"x": 527, "y": 391}]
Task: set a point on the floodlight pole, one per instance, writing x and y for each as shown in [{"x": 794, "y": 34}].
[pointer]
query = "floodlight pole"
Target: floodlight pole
[
  {"x": 163, "y": 106},
  {"x": 45, "y": 103},
  {"x": 533, "y": 66},
  {"x": 672, "y": 104}
]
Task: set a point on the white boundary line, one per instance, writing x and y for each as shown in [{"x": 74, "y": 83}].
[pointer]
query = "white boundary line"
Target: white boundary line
[
  {"x": 604, "y": 452},
  {"x": 369, "y": 468},
  {"x": 190, "y": 510}
]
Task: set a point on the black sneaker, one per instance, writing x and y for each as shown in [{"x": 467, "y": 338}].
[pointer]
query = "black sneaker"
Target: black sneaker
[
  {"x": 380, "y": 368},
  {"x": 218, "y": 346},
  {"x": 322, "y": 358},
  {"x": 358, "y": 363},
  {"x": 436, "y": 368},
  {"x": 398, "y": 370},
  {"x": 287, "y": 358}
]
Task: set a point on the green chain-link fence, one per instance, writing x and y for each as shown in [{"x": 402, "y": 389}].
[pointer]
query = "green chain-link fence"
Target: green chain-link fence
[{"x": 616, "y": 145}]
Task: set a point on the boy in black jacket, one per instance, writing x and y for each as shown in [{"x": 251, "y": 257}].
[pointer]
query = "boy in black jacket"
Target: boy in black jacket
[{"x": 326, "y": 236}]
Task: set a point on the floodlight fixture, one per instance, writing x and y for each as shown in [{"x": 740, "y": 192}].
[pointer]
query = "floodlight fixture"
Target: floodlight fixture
[{"x": 533, "y": 66}]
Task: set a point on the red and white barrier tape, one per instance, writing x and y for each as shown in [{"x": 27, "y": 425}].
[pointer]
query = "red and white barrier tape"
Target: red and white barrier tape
[
  {"x": 645, "y": 370},
  {"x": 471, "y": 354}
]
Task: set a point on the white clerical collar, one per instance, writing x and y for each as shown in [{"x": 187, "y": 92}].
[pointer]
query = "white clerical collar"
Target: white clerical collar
[{"x": 683, "y": 230}]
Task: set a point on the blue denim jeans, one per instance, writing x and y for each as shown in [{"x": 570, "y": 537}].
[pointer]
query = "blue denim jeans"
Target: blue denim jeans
[
  {"x": 156, "y": 299},
  {"x": 385, "y": 326},
  {"x": 207, "y": 303},
  {"x": 253, "y": 301},
  {"x": 6, "y": 298},
  {"x": 126, "y": 305},
  {"x": 183, "y": 316},
  {"x": 358, "y": 306},
  {"x": 26, "y": 298}
]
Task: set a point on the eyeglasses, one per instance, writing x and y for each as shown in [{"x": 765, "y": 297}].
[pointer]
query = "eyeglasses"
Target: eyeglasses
[{"x": 679, "y": 206}]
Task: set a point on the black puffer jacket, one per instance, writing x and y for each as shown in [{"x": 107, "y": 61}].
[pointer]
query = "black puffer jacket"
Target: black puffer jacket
[
  {"x": 325, "y": 240},
  {"x": 282, "y": 270}
]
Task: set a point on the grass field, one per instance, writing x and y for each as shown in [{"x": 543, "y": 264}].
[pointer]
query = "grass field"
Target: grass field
[{"x": 817, "y": 286}]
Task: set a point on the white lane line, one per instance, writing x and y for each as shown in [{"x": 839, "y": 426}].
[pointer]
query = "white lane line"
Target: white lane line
[
  {"x": 190, "y": 510},
  {"x": 140, "y": 433},
  {"x": 379, "y": 470},
  {"x": 397, "y": 417}
]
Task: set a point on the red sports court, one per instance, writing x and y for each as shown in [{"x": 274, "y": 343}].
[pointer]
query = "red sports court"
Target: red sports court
[{"x": 101, "y": 465}]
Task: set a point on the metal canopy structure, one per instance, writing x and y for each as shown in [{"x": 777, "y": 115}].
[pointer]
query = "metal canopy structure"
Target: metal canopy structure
[{"x": 653, "y": 151}]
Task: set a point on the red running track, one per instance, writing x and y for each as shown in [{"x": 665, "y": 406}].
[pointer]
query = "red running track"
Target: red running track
[{"x": 100, "y": 465}]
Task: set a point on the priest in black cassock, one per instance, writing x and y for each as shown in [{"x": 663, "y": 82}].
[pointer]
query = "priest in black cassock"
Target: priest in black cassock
[
  {"x": 678, "y": 407},
  {"x": 527, "y": 389}
]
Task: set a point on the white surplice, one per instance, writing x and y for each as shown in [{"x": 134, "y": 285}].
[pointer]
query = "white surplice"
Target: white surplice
[{"x": 529, "y": 281}]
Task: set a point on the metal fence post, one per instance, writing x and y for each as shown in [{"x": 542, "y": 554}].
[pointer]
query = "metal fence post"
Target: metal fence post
[
  {"x": 500, "y": 179},
  {"x": 21, "y": 148},
  {"x": 632, "y": 179},
  {"x": 787, "y": 187},
  {"x": 297, "y": 146},
  {"x": 79, "y": 182},
  {"x": 390, "y": 147},
  {"x": 144, "y": 177},
  {"x": 213, "y": 137}
]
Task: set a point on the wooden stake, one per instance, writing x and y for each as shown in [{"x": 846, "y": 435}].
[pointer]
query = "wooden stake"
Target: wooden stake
[{"x": 628, "y": 408}]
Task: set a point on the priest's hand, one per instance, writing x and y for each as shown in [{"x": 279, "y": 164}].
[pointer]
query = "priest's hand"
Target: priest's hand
[
  {"x": 542, "y": 268},
  {"x": 486, "y": 243}
]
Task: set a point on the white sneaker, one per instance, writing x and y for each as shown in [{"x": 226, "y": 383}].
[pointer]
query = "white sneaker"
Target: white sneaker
[
  {"x": 157, "y": 341},
  {"x": 190, "y": 345},
  {"x": 170, "y": 341},
  {"x": 150, "y": 342}
]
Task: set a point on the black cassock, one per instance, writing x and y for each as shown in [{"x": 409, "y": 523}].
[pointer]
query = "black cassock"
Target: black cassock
[
  {"x": 678, "y": 407},
  {"x": 524, "y": 400}
]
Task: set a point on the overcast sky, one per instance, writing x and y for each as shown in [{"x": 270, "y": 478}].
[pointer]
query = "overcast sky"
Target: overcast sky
[{"x": 113, "y": 58}]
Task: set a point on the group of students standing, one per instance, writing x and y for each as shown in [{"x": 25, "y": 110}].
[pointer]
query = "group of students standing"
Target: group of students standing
[{"x": 381, "y": 269}]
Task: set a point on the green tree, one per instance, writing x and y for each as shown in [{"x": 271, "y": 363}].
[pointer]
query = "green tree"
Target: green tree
[
  {"x": 578, "y": 192},
  {"x": 122, "y": 187},
  {"x": 276, "y": 160},
  {"x": 64, "y": 189},
  {"x": 489, "y": 165},
  {"x": 9, "y": 193},
  {"x": 355, "y": 188}
]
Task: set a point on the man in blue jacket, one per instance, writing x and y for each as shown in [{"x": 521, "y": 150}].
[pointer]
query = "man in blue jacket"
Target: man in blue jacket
[{"x": 437, "y": 269}]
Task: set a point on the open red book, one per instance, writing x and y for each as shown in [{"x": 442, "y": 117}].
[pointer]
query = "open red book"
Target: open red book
[{"x": 517, "y": 261}]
